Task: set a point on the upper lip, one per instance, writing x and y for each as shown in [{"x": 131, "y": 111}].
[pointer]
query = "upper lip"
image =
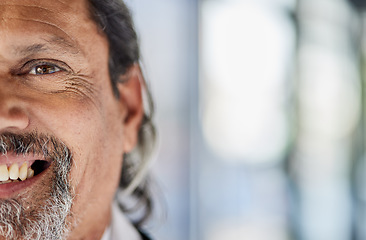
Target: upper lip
[{"x": 11, "y": 158}]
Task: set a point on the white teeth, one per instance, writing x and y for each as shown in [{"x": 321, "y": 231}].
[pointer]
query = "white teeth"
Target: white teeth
[
  {"x": 14, "y": 171},
  {"x": 4, "y": 174},
  {"x": 30, "y": 173},
  {"x": 23, "y": 171}
]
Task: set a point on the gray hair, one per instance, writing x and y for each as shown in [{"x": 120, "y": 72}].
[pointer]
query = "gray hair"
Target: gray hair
[{"x": 114, "y": 21}]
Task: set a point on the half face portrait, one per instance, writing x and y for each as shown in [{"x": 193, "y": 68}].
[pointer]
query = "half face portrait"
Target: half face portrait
[{"x": 71, "y": 113}]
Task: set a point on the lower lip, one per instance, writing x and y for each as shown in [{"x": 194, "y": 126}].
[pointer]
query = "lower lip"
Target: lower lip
[{"x": 7, "y": 190}]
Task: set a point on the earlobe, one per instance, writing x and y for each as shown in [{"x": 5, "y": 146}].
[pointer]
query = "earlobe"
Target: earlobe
[{"x": 130, "y": 97}]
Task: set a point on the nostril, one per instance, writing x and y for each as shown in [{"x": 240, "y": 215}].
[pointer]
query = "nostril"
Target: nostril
[{"x": 16, "y": 113}]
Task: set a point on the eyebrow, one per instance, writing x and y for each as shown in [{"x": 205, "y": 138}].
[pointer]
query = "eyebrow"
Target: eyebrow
[{"x": 55, "y": 43}]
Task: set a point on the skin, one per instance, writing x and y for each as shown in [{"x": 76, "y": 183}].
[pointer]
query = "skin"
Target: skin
[{"x": 73, "y": 102}]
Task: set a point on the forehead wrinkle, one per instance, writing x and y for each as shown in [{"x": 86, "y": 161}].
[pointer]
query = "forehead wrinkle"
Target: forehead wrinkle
[
  {"x": 32, "y": 5},
  {"x": 64, "y": 3},
  {"x": 42, "y": 22},
  {"x": 48, "y": 10},
  {"x": 27, "y": 6},
  {"x": 41, "y": 8},
  {"x": 57, "y": 39}
]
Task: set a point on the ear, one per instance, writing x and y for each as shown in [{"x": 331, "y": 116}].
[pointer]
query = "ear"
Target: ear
[{"x": 130, "y": 98}]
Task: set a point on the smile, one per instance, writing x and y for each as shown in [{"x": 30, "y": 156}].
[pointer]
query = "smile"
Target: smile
[{"x": 19, "y": 168}]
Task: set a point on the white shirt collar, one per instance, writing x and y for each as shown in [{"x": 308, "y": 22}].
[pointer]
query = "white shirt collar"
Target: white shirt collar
[{"x": 120, "y": 227}]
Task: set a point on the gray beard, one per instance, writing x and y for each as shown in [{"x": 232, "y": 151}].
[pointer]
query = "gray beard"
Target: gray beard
[{"x": 46, "y": 217}]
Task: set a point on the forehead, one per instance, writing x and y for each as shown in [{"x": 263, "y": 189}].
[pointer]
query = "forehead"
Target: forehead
[
  {"x": 53, "y": 12},
  {"x": 23, "y": 22}
]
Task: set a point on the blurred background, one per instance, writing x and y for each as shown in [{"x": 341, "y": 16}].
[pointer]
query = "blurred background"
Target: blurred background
[{"x": 260, "y": 106}]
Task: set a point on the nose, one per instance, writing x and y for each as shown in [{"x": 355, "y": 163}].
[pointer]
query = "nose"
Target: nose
[{"x": 12, "y": 115}]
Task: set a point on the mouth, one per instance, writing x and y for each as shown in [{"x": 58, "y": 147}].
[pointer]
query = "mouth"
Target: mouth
[{"x": 19, "y": 171}]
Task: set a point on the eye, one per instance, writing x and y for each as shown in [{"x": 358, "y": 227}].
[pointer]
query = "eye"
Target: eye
[{"x": 44, "y": 69}]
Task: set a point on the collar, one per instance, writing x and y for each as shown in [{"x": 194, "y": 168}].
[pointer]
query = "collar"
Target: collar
[{"x": 120, "y": 227}]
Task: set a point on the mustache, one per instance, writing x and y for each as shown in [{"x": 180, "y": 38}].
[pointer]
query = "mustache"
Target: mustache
[{"x": 35, "y": 143}]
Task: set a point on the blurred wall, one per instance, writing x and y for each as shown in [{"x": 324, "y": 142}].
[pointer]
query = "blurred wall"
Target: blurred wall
[{"x": 259, "y": 108}]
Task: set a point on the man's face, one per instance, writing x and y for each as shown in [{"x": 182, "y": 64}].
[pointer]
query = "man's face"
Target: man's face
[{"x": 55, "y": 86}]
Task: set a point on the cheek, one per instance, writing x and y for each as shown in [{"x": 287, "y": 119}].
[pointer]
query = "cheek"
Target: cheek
[
  {"x": 98, "y": 161},
  {"x": 94, "y": 134},
  {"x": 96, "y": 143},
  {"x": 95, "y": 138}
]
